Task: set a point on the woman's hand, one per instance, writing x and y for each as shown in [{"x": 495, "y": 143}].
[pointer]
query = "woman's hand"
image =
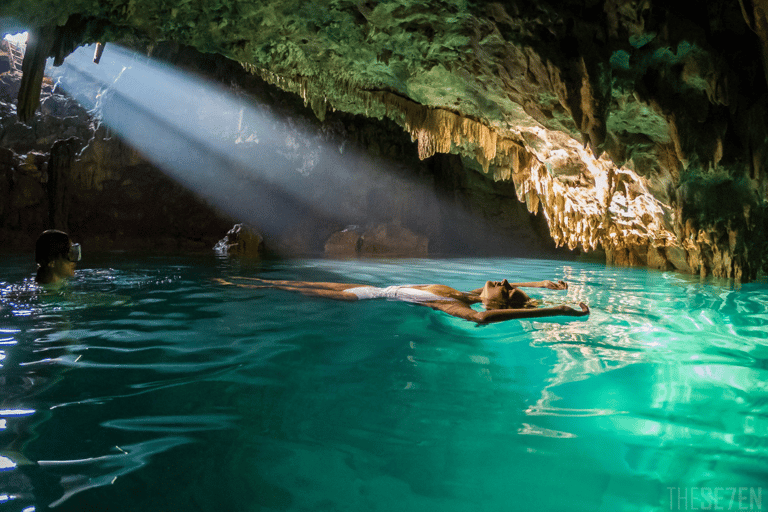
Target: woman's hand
[
  {"x": 560, "y": 285},
  {"x": 573, "y": 312}
]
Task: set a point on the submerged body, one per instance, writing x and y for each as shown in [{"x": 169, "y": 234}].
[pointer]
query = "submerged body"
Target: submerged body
[{"x": 502, "y": 300}]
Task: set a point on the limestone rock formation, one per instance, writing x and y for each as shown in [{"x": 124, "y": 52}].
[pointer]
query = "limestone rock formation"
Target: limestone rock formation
[
  {"x": 618, "y": 120},
  {"x": 62, "y": 170},
  {"x": 116, "y": 198},
  {"x": 241, "y": 241},
  {"x": 392, "y": 240},
  {"x": 344, "y": 243},
  {"x": 381, "y": 240}
]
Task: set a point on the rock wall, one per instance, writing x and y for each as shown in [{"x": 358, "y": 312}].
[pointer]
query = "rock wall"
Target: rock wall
[
  {"x": 445, "y": 199},
  {"x": 615, "y": 119},
  {"x": 619, "y": 118},
  {"x": 105, "y": 193},
  {"x": 61, "y": 171}
]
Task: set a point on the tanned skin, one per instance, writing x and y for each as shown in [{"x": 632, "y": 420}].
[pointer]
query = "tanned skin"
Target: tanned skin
[{"x": 503, "y": 300}]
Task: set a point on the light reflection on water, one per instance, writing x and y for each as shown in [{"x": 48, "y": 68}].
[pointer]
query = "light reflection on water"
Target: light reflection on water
[{"x": 263, "y": 399}]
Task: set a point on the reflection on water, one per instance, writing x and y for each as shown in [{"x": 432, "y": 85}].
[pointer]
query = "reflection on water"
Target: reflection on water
[
  {"x": 76, "y": 476},
  {"x": 144, "y": 385}
]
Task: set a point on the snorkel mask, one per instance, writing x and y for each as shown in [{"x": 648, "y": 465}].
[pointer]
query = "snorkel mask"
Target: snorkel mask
[{"x": 74, "y": 253}]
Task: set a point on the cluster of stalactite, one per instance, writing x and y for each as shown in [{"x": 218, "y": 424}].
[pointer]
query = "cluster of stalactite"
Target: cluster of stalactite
[
  {"x": 659, "y": 87},
  {"x": 722, "y": 224},
  {"x": 596, "y": 205}
]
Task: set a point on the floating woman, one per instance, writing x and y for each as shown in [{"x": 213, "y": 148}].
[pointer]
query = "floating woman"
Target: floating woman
[{"x": 502, "y": 300}]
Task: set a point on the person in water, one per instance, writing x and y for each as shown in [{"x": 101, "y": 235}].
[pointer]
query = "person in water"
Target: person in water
[
  {"x": 502, "y": 300},
  {"x": 56, "y": 257}
]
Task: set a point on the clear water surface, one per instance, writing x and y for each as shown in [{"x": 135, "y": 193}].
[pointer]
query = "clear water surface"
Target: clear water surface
[{"x": 144, "y": 386}]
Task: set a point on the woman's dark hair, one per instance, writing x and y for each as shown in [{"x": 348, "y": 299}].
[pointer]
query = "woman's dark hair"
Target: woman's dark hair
[
  {"x": 511, "y": 304},
  {"x": 50, "y": 245}
]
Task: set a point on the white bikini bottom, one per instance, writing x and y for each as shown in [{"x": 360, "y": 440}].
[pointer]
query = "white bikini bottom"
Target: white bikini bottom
[{"x": 403, "y": 292}]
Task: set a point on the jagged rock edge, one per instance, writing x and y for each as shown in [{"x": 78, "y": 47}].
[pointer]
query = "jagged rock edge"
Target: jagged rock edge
[{"x": 616, "y": 218}]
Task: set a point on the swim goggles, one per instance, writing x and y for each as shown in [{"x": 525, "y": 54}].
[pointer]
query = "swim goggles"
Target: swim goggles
[{"x": 74, "y": 253}]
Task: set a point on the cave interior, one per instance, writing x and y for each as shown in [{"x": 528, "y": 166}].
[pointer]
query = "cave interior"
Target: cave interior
[{"x": 631, "y": 130}]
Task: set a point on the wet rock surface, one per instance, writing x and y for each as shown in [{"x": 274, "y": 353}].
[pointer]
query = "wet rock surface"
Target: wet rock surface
[
  {"x": 117, "y": 199},
  {"x": 612, "y": 118},
  {"x": 382, "y": 240},
  {"x": 392, "y": 240},
  {"x": 61, "y": 171},
  {"x": 241, "y": 240}
]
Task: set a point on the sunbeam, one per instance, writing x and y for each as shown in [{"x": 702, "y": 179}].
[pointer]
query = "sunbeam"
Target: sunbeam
[{"x": 236, "y": 155}]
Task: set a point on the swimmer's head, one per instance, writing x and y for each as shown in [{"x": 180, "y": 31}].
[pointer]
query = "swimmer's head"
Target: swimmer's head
[
  {"x": 55, "y": 255},
  {"x": 502, "y": 295}
]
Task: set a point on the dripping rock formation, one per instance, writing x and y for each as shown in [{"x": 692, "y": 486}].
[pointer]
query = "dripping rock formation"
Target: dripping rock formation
[{"x": 633, "y": 127}]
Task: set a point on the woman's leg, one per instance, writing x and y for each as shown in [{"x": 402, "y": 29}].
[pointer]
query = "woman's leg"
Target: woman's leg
[
  {"x": 311, "y": 291},
  {"x": 303, "y": 284}
]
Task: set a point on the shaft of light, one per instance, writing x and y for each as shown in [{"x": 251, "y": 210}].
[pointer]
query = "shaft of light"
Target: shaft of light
[{"x": 233, "y": 153}]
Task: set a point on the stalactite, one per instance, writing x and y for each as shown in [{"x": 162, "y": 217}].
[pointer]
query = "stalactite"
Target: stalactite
[
  {"x": 39, "y": 46},
  {"x": 612, "y": 209}
]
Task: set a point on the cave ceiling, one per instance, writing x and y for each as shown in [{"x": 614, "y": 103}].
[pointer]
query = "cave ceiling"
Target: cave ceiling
[{"x": 627, "y": 123}]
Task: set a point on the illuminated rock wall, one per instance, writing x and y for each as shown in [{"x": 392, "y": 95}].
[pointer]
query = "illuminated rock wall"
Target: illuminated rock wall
[
  {"x": 620, "y": 118},
  {"x": 393, "y": 182},
  {"x": 60, "y": 172},
  {"x": 110, "y": 196}
]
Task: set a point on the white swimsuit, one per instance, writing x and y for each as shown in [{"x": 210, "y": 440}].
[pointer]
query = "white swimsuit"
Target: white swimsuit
[{"x": 404, "y": 292}]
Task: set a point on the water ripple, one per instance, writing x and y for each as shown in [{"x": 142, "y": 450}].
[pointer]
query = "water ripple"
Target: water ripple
[{"x": 301, "y": 403}]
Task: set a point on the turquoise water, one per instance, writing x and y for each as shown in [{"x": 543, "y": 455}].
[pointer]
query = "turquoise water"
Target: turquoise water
[{"x": 144, "y": 386}]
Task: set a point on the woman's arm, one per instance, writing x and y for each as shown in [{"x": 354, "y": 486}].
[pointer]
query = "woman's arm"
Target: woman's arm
[
  {"x": 499, "y": 315},
  {"x": 559, "y": 285}
]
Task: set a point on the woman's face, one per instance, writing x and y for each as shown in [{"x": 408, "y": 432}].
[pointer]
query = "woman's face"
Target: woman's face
[
  {"x": 503, "y": 294},
  {"x": 62, "y": 268}
]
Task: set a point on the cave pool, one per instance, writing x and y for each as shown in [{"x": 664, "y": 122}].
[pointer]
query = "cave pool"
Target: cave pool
[{"x": 144, "y": 386}]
